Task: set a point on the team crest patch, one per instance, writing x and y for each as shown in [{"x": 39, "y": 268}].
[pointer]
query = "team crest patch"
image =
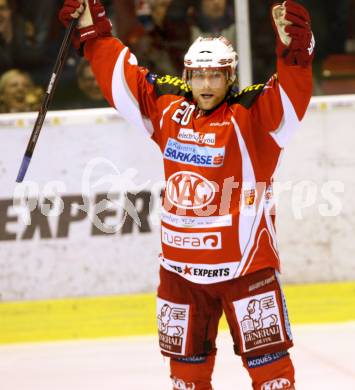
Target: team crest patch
[
  {"x": 182, "y": 385},
  {"x": 173, "y": 322},
  {"x": 279, "y": 383},
  {"x": 259, "y": 321}
]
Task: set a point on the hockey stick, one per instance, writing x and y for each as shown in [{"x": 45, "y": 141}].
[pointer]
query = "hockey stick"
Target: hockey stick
[{"x": 57, "y": 70}]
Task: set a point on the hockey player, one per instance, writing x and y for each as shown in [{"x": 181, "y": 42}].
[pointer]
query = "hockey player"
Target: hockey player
[{"x": 220, "y": 150}]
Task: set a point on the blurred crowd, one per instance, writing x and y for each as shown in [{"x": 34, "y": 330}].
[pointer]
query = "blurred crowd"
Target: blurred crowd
[{"x": 158, "y": 32}]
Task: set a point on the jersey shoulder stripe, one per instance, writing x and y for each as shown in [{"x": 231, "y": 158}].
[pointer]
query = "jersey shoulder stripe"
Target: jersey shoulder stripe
[
  {"x": 169, "y": 85},
  {"x": 247, "y": 96}
]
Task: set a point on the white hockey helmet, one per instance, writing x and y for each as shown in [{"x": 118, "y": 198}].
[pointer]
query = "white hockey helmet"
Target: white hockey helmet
[{"x": 213, "y": 53}]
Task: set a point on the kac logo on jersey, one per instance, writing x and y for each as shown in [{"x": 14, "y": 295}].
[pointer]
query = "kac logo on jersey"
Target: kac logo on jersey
[
  {"x": 189, "y": 190},
  {"x": 198, "y": 138},
  {"x": 194, "y": 155}
]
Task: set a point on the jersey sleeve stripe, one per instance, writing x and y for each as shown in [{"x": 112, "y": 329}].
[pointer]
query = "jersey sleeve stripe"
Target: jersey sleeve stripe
[
  {"x": 289, "y": 122},
  {"x": 123, "y": 98}
]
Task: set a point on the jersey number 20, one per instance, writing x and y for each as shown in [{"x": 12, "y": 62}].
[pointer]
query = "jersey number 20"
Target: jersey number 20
[{"x": 182, "y": 115}]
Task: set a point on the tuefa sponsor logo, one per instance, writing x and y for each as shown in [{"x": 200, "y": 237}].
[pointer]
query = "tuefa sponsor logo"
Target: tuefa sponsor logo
[{"x": 191, "y": 240}]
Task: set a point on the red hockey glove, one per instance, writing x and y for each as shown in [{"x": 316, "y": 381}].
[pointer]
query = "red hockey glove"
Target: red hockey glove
[
  {"x": 295, "y": 40},
  {"x": 92, "y": 19}
]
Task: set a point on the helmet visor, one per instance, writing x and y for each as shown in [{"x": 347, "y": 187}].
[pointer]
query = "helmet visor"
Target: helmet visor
[{"x": 214, "y": 78}]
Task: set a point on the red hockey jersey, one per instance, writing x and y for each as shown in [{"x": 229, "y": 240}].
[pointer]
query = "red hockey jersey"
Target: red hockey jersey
[{"x": 217, "y": 219}]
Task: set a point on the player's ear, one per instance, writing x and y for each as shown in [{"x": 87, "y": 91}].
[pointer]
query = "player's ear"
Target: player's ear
[{"x": 232, "y": 80}]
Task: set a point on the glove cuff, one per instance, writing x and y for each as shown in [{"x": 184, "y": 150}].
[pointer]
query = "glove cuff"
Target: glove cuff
[
  {"x": 100, "y": 29},
  {"x": 93, "y": 22}
]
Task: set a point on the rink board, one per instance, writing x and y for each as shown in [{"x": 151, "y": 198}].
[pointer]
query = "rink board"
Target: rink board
[
  {"x": 132, "y": 315},
  {"x": 60, "y": 278},
  {"x": 86, "y": 154}
]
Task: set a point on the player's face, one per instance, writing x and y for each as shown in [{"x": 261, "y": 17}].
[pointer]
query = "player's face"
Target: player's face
[{"x": 209, "y": 87}]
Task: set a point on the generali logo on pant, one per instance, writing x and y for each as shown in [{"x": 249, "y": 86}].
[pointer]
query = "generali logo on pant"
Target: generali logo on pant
[
  {"x": 172, "y": 326},
  {"x": 259, "y": 321},
  {"x": 279, "y": 383}
]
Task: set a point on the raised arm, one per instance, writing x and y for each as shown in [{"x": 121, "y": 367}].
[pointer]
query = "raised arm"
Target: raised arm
[
  {"x": 126, "y": 86},
  {"x": 281, "y": 105}
]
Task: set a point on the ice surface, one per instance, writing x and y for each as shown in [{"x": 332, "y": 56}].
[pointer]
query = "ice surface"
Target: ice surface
[{"x": 323, "y": 356}]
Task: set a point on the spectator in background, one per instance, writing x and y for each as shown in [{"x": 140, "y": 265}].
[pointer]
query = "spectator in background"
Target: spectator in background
[
  {"x": 159, "y": 9},
  {"x": 6, "y": 35},
  {"x": 262, "y": 41},
  {"x": 330, "y": 24},
  {"x": 128, "y": 25},
  {"x": 186, "y": 20},
  {"x": 18, "y": 92},
  {"x": 80, "y": 91},
  {"x": 153, "y": 46},
  {"x": 172, "y": 34},
  {"x": 214, "y": 18},
  {"x": 91, "y": 96},
  {"x": 5, "y": 21},
  {"x": 144, "y": 13},
  {"x": 17, "y": 41},
  {"x": 350, "y": 42},
  {"x": 39, "y": 19}
]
